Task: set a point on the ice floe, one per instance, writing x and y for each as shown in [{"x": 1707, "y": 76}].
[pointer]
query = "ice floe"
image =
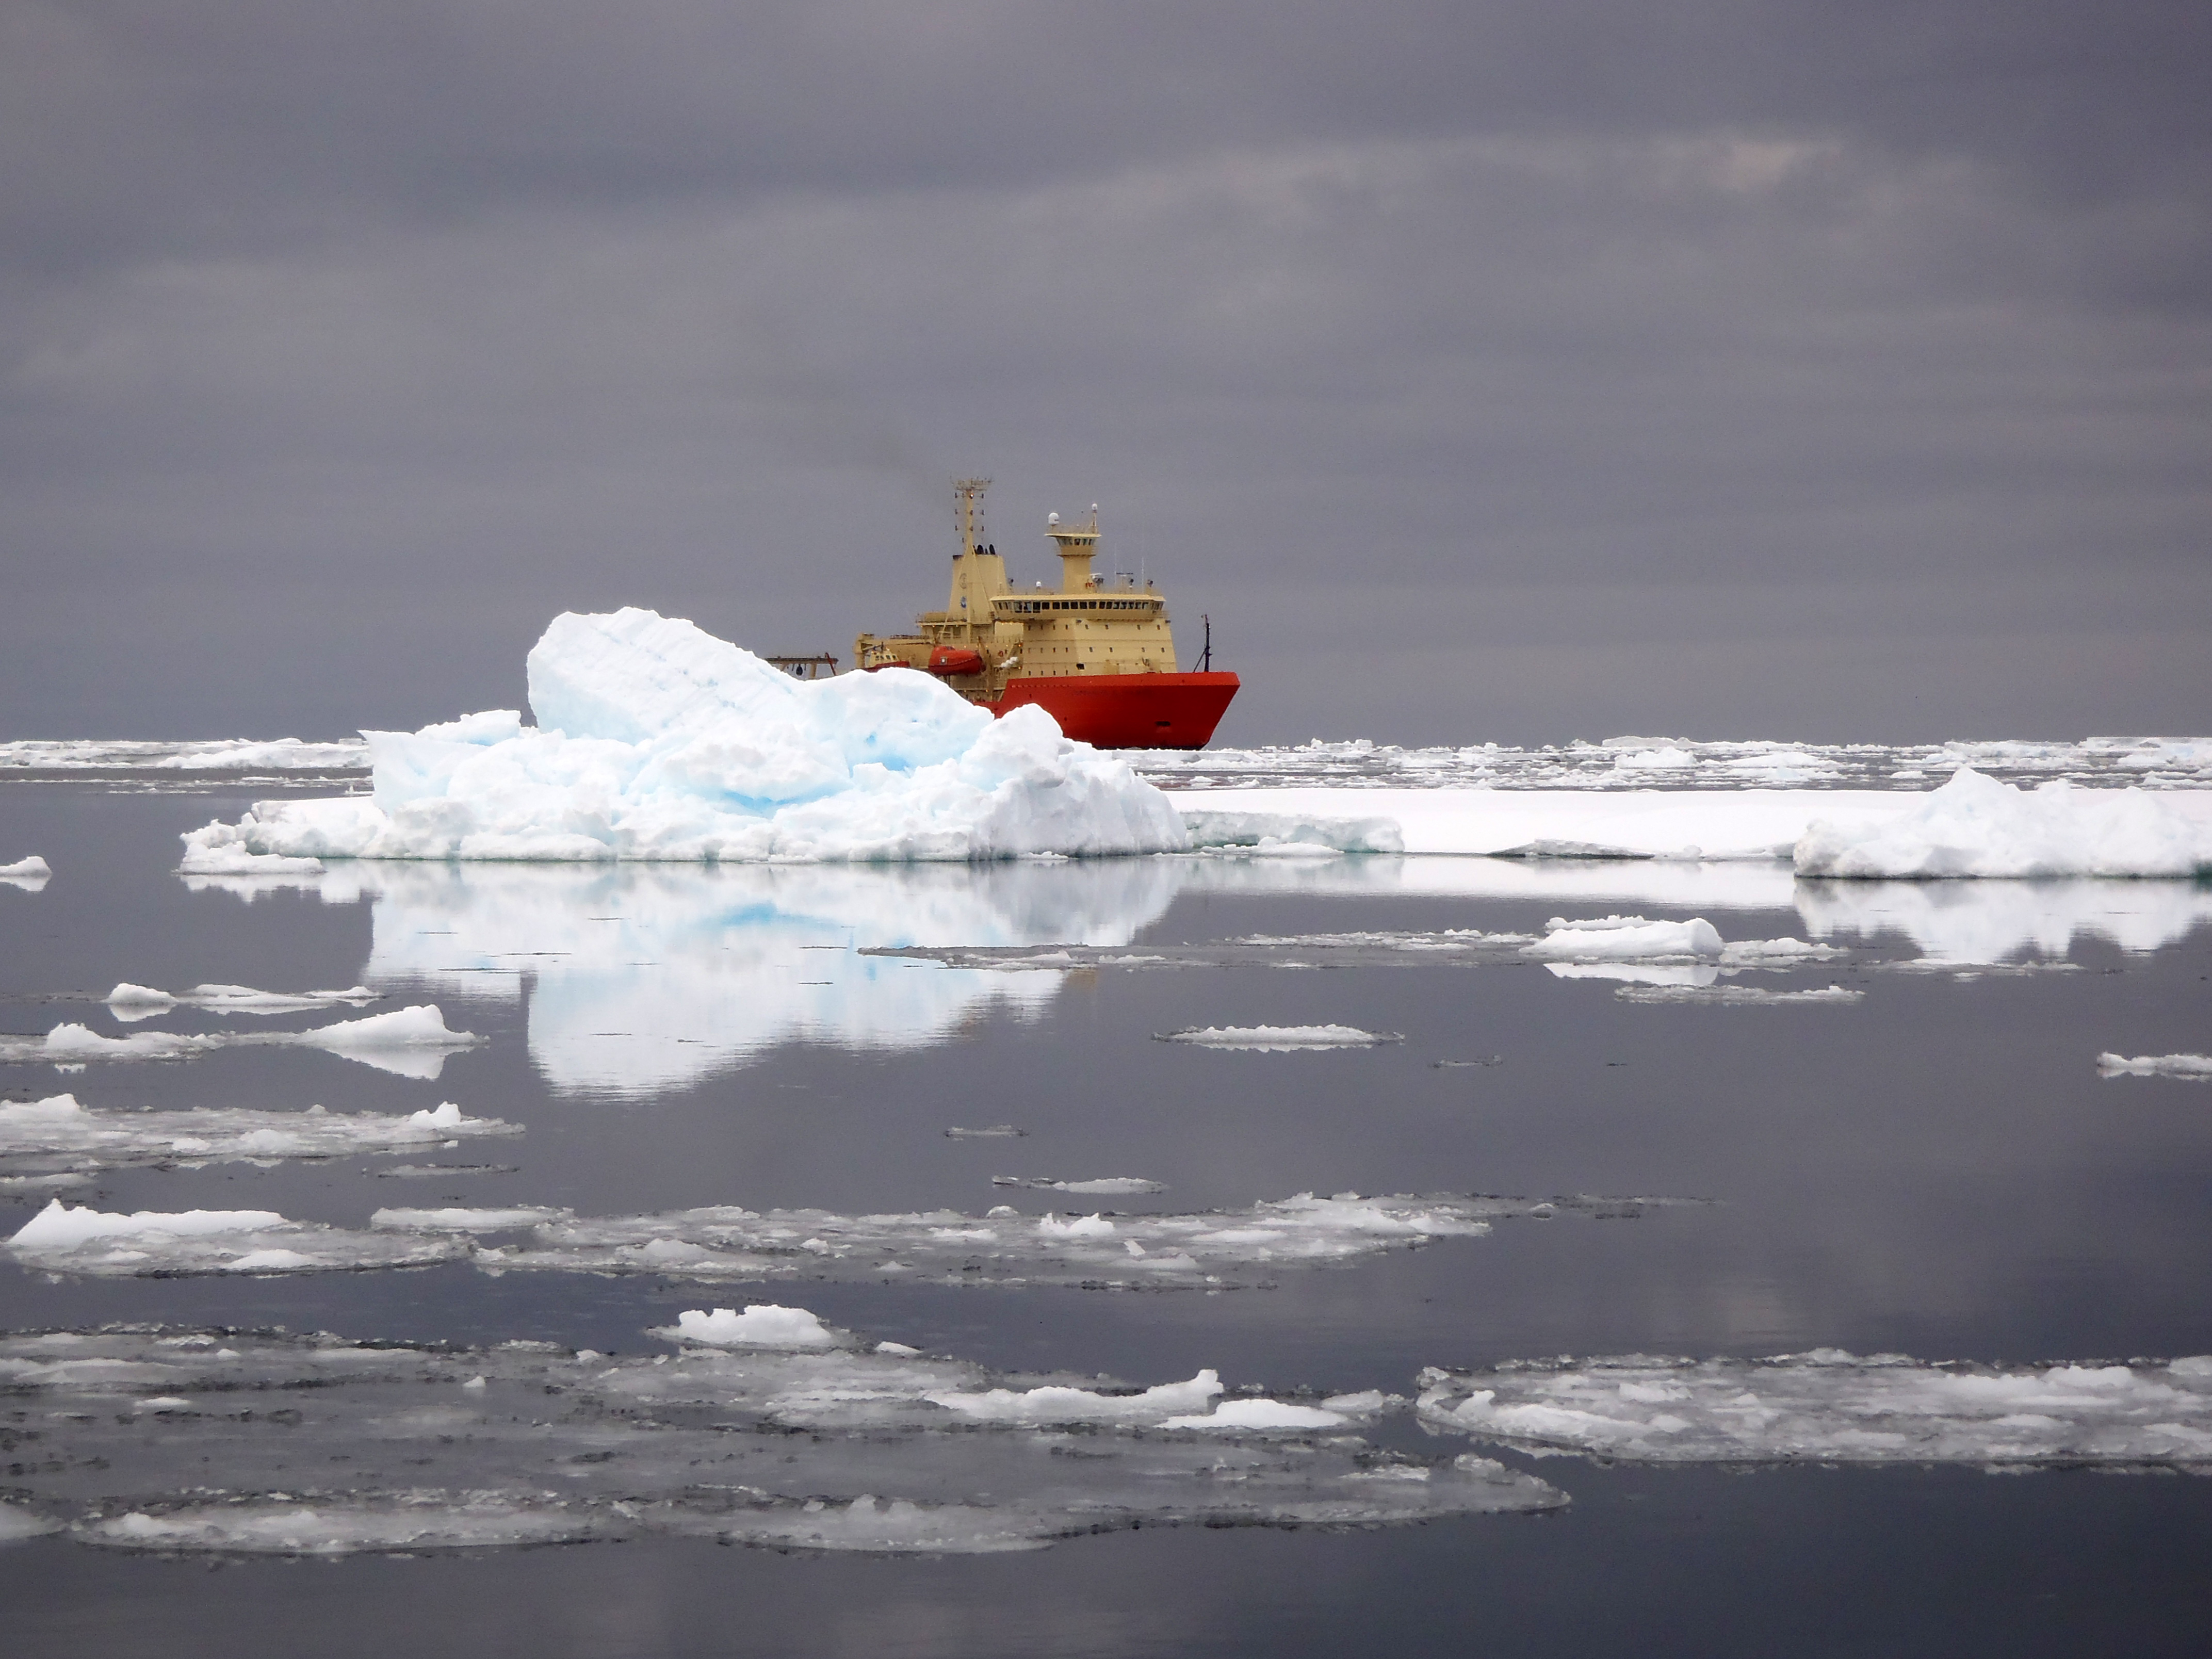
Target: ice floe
[
  {"x": 1101, "y": 1187},
  {"x": 1741, "y": 996},
  {"x": 2195, "y": 1067},
  {"x": 657, "y": 741},
  {"x": 158, "y": 1243},
  {"x": 1831, "y": 1407},
  {"x": 1977, "y": 826},
  {"x": 31, "y": 873},
  {"x": 762, "y": 1324},
  {"x": 1626, "y": 939},
  {"x": 216, "y": 855},
  {"x": 58, "y": 1134},
  {"x": 1204, "y": 1249},
  {"x": 135, "y": 1002},
  {"x": 413, "y": 1041},
  {"x": 1280, "y": 1039},
  {"x": 260, "y": 1444}
]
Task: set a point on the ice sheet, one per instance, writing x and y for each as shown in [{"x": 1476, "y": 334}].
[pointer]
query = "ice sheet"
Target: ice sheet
[
  {"x": 254, "y": 1443},
  {"x": 2197, "y": 1068},
  {"x": 413, "y": 1041},
  {"x": 57, "y": 1133},
  {"x": 1977, "y": 826},
  {"x": 1831, "y": 1407},
  {"x": 1280, "y": 1039},
  {"x": 657, "y": 741}
]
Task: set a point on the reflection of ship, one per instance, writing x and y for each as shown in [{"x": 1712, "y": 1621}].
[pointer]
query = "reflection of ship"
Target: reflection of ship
[{"x": 1097, "y": 655}]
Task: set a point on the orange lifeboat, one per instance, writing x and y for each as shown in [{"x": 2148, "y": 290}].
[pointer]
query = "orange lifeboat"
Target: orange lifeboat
[{"x": 948, "y": 661}]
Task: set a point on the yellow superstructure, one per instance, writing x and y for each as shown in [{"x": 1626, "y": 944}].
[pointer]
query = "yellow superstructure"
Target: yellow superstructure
[{"x": 1092, "y": 624}]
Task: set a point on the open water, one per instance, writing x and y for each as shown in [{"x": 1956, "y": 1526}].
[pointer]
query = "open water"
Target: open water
[{"x": 1934, "y": 1168}]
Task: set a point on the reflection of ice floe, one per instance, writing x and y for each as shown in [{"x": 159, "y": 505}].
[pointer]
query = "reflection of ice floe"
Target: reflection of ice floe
[
  {"x": 1280, "y": 1039},
  {"x": 644, "y": 978},
  {"x": 1976, "y": 826},
  {"x": 1834, "y": 1408},
  {"x": 57, "y": 1133},
  {"x": 413, "y": 1041},
  {"x": 59, "y": 1239},
  {"x": 167, "y": 1441},
  {"x": 1638, "y": 973},
  {"x": 1979, "y": 922},
  {"x": 128, "y": 1001},
  {"x": 2197, "y": 1068}
]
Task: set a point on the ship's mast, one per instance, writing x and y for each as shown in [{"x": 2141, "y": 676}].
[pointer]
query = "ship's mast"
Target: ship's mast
[{"x": 967, "y": 511}]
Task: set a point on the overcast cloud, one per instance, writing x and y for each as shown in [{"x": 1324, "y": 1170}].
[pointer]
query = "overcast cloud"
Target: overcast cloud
[{"x": 1521, "y": 371}]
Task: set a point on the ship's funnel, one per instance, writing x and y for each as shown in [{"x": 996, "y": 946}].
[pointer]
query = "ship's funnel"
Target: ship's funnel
[{"x": 1076, "y": 544}]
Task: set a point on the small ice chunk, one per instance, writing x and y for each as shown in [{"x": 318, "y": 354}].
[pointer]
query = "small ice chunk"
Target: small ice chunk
[{"x": 31, "y": 869}]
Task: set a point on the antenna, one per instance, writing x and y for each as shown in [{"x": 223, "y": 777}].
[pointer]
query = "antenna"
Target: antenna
[{"x": 967, "y": 511}]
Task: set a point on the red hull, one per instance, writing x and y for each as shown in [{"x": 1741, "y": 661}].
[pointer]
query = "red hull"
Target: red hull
[{"x": 1128, "y": 711}]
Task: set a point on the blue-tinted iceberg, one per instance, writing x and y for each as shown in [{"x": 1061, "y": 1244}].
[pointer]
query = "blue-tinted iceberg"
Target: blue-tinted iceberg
[{"x": 657, "y": 741}]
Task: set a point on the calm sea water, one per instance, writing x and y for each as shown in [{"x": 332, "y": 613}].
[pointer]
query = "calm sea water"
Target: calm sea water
[{"x": 1935, "y": 1169}]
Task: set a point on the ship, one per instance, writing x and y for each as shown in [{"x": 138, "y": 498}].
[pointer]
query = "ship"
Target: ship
[{"x": 1096, "y": 653}]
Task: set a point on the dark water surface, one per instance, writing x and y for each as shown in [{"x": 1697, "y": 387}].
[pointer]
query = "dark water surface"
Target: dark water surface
[{"x": 1936, "y": 1169}]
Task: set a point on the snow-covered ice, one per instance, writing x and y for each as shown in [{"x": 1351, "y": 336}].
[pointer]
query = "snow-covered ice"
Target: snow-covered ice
[
  {"x": 1101, "y": 1187},
  {"x": 58, "y": 1134},
  {"x": 145, "y": 1447},
  {"x": 215, "y": 855},
  {"x": 1977, "y": 826},
  {"x": 413, "y": 1041},
  {"x": 1626, "y": 939},
  {"x": 1280, "y": 1039},
  {"x": 60, "y": 1239},
  {"x": 657, "y": 741},
  {"x": 133, "y": 1002},
  {"x": 1835, "y": 1407},
  {"x": 2195, "y": 1067},
  {"x": 26, "y": 872}
]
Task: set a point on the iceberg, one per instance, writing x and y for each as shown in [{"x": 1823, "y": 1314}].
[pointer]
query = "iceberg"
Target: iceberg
[
  {"x": 657, "y": 741},
  {"x": 1976, "y": 826}
]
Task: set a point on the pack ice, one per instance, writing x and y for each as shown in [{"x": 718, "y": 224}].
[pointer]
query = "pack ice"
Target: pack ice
[
  {"x": 1835, "y": 1407},
  {"x": 657, "y": 741},
  {"x": 259, "y": 1442}
]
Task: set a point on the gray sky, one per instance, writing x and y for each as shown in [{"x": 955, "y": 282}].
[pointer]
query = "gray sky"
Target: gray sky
[{"x": 1521, "y": 371}]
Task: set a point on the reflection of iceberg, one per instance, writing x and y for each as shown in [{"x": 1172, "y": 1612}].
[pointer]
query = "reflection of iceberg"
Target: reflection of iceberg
[
  {"x": 648, "y": 978},
  {"x": 1991, "y": 921}
]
